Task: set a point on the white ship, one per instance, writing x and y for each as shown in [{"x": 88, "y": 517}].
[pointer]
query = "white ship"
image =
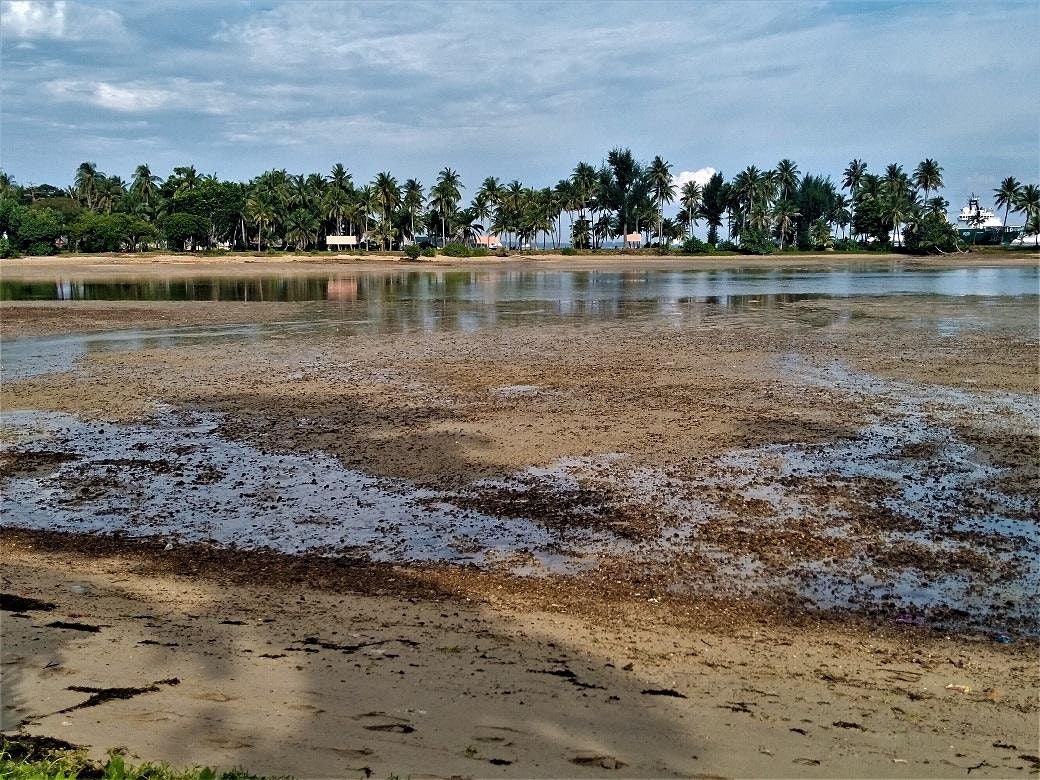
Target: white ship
[{"x": 979, "y": 225}]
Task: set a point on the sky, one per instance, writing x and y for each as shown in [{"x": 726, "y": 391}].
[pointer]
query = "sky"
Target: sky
[{"x": 519, "y": 89}]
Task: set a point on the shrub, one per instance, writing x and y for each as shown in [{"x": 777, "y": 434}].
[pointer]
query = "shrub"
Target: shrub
[
  {"x": 931, "y": 234},
  {"x": 693, "y": 246},
  {"x": 40, "y": 248},
  {"x": 412, "y": 251},
  {"x": 6, "y": 250},
  {"x": 501, "y": 252},
  {"x": 756, "y": 242},
  {"x": 479, "y": 251},
  {"x": 567, "y": 250},
  {"x": 727, "y": 246},
  {"x": 455, "y": 249},
  {"x": 428, "y": 251}
]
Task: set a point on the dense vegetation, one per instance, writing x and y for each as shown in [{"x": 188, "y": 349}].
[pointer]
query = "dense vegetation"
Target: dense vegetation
[{"x": 760, "y": 210}]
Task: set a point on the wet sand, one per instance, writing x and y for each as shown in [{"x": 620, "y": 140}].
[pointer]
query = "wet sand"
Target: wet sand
[{"x": 916, "y": 382}]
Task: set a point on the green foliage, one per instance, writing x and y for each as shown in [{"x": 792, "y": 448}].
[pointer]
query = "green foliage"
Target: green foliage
[
  {"x": 94, "y": 232},
  {"x": 693, "y": 246},
  {"x": 930, "y": 234},
  {"x": 455, "y": 249},
  {"x": 479, "y": 251},
  {"x": 38, "y": 759},
  {"x": 412, "y": 252},
  {"x": 180, "y": 227},
  {"x": 6, "y": 250},
  {"x": 428, "y": 251},
  {"x": 568, "y": 251},
  {"x": 31, "y": 227},
  {"x": 756, "y": 242}
]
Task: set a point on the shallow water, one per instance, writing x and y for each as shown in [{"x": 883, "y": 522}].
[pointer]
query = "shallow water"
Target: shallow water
[
  {"x": 562, "y": 288},
  {"x": 177, "y": 477}
]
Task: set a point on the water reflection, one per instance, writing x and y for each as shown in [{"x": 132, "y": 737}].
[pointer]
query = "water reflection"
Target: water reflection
[{"x": 566, "y": 288}]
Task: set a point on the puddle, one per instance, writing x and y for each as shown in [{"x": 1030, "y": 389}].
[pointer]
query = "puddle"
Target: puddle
[{"x": 176, "y": 477}]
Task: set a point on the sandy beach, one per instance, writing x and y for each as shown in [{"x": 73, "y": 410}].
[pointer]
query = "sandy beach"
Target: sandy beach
[{"x": 596, "y": 640}]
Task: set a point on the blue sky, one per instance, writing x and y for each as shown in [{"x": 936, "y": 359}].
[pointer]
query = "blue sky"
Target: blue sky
[{"x": 520, "y": 89}]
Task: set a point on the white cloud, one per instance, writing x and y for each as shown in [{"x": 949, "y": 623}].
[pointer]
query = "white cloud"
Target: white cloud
[
  {"x": 206, "y": 97},
  {"x": 30, "y": 19},
  {"x": 701, "y": 176}
]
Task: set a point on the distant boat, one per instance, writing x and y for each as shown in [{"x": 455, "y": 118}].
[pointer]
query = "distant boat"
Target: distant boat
[{"x": 978, "y": 225}]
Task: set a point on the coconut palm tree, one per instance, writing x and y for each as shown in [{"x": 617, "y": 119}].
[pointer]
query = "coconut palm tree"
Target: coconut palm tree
[
  {"x": 388, "y": 197},
  {"x": 1006, "y": 195},
  {"x": 851, "y": 179},
  {"x": 412, "y": 201},
  {"x": 785, "y": 213},
  {"x": 368, "y": 203},
  {"x": 714, "y": 197},
  {"x": 301, "y": 228},
  {"x": 446, "y": 194},
  {"x": 660, "y": 173},
  {"x": 335, "y": 205},
  {"x": 261, "y": 211},
  {"x": 1028, "y": 203},
  {"x": 187, "y": 179},
  {"x": 145, "y": 184},
  {"x": 690, "y": 200},
  {"x": 86, "y": 183},
  {"x": 786, "y": 177},
  {"x": 928, "y": 176}
]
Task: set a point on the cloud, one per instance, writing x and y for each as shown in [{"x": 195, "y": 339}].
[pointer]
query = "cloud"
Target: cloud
[
  {"x": 701, "y": 176},
  {"x": 197, "y": 97},
  {"x": 31, "y": 19}
]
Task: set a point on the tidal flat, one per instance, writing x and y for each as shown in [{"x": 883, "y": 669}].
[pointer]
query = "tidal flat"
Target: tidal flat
[{"x": 528, "y": 518}]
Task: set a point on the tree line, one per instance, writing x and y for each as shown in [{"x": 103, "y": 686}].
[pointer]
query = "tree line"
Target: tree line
[{"x": 757, "y": 210}]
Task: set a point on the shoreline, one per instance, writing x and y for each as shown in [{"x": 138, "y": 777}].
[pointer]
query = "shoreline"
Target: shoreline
[
  {"x": 245, "y": 264},
  {"x": 281, "y": 671}
]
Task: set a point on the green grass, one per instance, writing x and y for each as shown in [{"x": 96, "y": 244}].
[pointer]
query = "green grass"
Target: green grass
[{"x": 41, "y": 758}]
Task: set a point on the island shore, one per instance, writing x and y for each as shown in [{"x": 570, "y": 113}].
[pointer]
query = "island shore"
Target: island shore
[{"x": 328, "y": 666}]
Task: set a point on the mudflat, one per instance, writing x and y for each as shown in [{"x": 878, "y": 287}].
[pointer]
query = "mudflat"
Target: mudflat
[{"x": 530, "y": 518}]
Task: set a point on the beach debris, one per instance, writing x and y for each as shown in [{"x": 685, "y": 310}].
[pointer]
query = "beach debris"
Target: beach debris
[
  {"x": 101, "y": 695},
  {"x": 14, "y": 603},
  {"x": 808, "y": 761},
  {"x": 598, "y": 760},
  {"x": 1004, "y": 745},
  {"x": 569, "y": 676},
  {"x": 395, "y": 728},
  {"x": 1002, "y": 639},
  {"x": 846, "y": 724},
  {"x": 74, "y": 626},
  {"x": 959, "y": 688}
]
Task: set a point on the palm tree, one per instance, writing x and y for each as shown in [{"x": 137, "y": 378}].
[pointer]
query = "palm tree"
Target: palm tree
[
  {"x": 447, "y": 193},
  {"x": 339, "y": 178},
  {"x": 86, "y": 183},
  {"x": 301, "y": 228},
  {"x": 413, "y": 201},
  {"x": 335, "y": 204},
  {"x": 367, "y": 203},
  {"x": 388, "y": 196},
  {"x": 786, "y": 175},
  {"x": 690, "y": 199},
  {"x": 260, "y": 210},
  {"x": 660, "y": 173},
  {"x": 625, "y": 172},
  {"x": 1006, "y": 196},
  {"x": 1028, "y": 202},
  {"x": 928, "y": 176},
  {"x": 784, "y": 215},
  {"x": 852, "y": 177},
  {"x": 144, "y": 183},
  {"x": 713, "y": 205},
  {"x": 187, "y": 179}
]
